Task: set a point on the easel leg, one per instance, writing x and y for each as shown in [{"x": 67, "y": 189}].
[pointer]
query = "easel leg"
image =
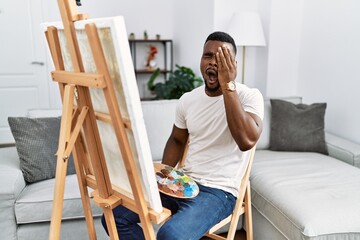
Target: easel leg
[
  {"x": 84, "y": 192},
  {"x": 110, "y": 222},
  {"x": 61, "y": 163},
  {"x": 79, "y": 158}
]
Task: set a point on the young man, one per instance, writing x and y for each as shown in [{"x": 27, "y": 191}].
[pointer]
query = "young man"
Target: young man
[{"x": 221, "y": 119}]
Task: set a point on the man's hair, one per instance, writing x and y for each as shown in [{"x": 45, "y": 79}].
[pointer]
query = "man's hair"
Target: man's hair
[{"x": 221, "y": 37}]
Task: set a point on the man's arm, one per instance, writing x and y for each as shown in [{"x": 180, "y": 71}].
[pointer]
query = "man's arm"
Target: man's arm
[
  {"x": 175, "y": 146},
  {"x": 245, "y": 127}
]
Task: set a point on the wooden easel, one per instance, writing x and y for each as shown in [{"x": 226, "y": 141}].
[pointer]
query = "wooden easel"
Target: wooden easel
[{"x": 79, "y": 134}]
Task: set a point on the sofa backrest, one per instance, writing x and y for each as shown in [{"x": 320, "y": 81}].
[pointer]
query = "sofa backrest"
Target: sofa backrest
[
  {"x": 159, "y": 119},
  {"x": 43, "y": 112}
]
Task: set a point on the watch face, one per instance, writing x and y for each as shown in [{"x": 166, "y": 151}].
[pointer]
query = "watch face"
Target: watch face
[{"x": 231, "y": 86}]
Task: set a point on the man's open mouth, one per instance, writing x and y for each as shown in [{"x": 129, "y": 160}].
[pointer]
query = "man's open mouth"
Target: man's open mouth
[{"x": 212, "y": 74}]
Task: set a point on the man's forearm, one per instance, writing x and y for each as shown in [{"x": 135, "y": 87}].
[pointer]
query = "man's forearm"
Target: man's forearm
[{"x": 244, "y": 127}]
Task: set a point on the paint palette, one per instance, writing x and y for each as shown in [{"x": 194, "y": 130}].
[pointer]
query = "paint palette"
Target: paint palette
[{"x": 174, "y": 183}]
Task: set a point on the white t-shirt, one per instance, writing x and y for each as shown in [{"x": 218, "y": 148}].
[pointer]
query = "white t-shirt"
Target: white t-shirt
[{"x": 213, "y": 158}]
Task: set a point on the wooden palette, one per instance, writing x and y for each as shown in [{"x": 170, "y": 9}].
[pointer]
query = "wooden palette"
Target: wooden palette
[{"x": 174, "y": 183}]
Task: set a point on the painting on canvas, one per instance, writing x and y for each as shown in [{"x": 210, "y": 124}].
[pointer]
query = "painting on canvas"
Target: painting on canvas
[{"x": 114, "y": 41}]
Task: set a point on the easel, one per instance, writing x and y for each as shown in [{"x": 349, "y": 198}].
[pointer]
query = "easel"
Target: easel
[{"x": 79, "y": 134}]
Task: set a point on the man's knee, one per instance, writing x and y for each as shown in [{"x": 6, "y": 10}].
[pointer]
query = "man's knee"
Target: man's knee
[
  {"x": 168, "y": 231},
  {"x": 165, "y": 233}
]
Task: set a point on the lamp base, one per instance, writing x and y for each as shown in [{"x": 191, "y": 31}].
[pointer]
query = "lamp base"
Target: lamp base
[{"x": 243, "y": 65}]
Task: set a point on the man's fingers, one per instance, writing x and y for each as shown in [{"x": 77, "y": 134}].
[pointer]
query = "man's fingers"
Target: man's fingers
[
  {"x": 218, "y": 59},
  {"x": 229, "y": 58},
  {"x": 222, "y": 58},
  {"x": 225, "y": 57}
]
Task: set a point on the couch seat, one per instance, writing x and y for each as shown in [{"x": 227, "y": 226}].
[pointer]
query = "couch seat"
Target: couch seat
[
  {"x": 34, "y": 204},
  {"x": 307, "y": 195}
]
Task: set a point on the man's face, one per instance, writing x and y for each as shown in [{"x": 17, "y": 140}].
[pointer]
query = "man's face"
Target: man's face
[{"x": 208, "y": 64}]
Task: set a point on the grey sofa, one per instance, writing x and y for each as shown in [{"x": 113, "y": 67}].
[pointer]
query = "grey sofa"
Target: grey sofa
[{"x": 287, "y": 189}]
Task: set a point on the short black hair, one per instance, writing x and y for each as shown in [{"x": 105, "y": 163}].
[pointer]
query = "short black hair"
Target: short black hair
[{"x": 222, "y": 37}]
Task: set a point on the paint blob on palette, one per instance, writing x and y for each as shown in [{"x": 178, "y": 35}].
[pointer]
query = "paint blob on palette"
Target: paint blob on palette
[{"x": 173, "y": 182}]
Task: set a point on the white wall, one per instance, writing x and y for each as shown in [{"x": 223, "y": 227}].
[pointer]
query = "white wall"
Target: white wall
[
  {"x": 283, "y": 45},
  {"x": 155, "y": 16},
  {"x": 312, "y": 46},
  {"x": 188, "y": 24},
  {"x": 313, "y": 51},
  {"x": 193, "y": 21},
  {"x": 329, "y": 63},
  {"x": 255, "y": 57}
]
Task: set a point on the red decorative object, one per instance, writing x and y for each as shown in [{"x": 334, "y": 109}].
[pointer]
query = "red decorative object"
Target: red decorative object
[{"x": 152, "y": 52}]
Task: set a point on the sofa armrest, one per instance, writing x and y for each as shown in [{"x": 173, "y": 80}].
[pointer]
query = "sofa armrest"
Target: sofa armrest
[
  {"x": 11, "y": 184},
  {"x": 11, "y": 178},
  {"x": 343, "y": 149}
]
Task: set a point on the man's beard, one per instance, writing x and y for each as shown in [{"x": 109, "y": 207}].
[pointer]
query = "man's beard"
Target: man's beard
[{"x": 212, "y": 90}]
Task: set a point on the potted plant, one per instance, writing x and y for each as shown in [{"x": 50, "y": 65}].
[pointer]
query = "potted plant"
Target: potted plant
[{"x": 180, "y": 81}]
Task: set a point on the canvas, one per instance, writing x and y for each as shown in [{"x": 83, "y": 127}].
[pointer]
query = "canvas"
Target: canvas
[{"x": 113, "y": 36}]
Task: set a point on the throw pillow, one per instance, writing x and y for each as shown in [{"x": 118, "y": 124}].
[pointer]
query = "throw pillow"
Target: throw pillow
[
  {"x": 36, "y": 143},
  {"x": 297, "y": 127}
]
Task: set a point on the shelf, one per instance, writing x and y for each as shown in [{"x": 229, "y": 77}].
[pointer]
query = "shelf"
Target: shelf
[
  {"x": 139, "y": 48},
  {"x": 145, "y": 71},
  {"x": 167, "y": 45},
  {"x": 149, "y": 40}
]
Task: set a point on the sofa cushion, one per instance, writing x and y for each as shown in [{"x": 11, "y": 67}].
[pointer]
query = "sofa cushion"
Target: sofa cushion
[
  {"x": 35, "y": 202},
  {"x": 264, "y": 141},
  {"x": 37, "y": 142},
  {"x": 297, "y": 127},
  {"x": 307, "y": 195},
  {"x": 74, "y": 229}
]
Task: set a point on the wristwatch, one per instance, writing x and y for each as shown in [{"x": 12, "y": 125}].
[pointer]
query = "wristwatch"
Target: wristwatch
[{"x": 231, "y": 86}]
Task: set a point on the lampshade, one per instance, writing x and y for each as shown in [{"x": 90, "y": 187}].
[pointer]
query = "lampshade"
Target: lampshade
[{"x": 246, "y": 29}]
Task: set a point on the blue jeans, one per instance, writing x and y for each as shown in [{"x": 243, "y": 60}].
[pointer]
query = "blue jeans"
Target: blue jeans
[{"x": 191, "y": 218}]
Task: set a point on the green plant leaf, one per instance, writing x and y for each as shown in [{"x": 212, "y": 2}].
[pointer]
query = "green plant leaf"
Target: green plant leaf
[
  {"x": 180, "y": 81},
  {"x": 154, "y": 75}
]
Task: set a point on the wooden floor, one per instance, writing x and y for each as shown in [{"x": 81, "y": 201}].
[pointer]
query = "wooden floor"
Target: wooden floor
[{"x": 240, "y": 235}]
